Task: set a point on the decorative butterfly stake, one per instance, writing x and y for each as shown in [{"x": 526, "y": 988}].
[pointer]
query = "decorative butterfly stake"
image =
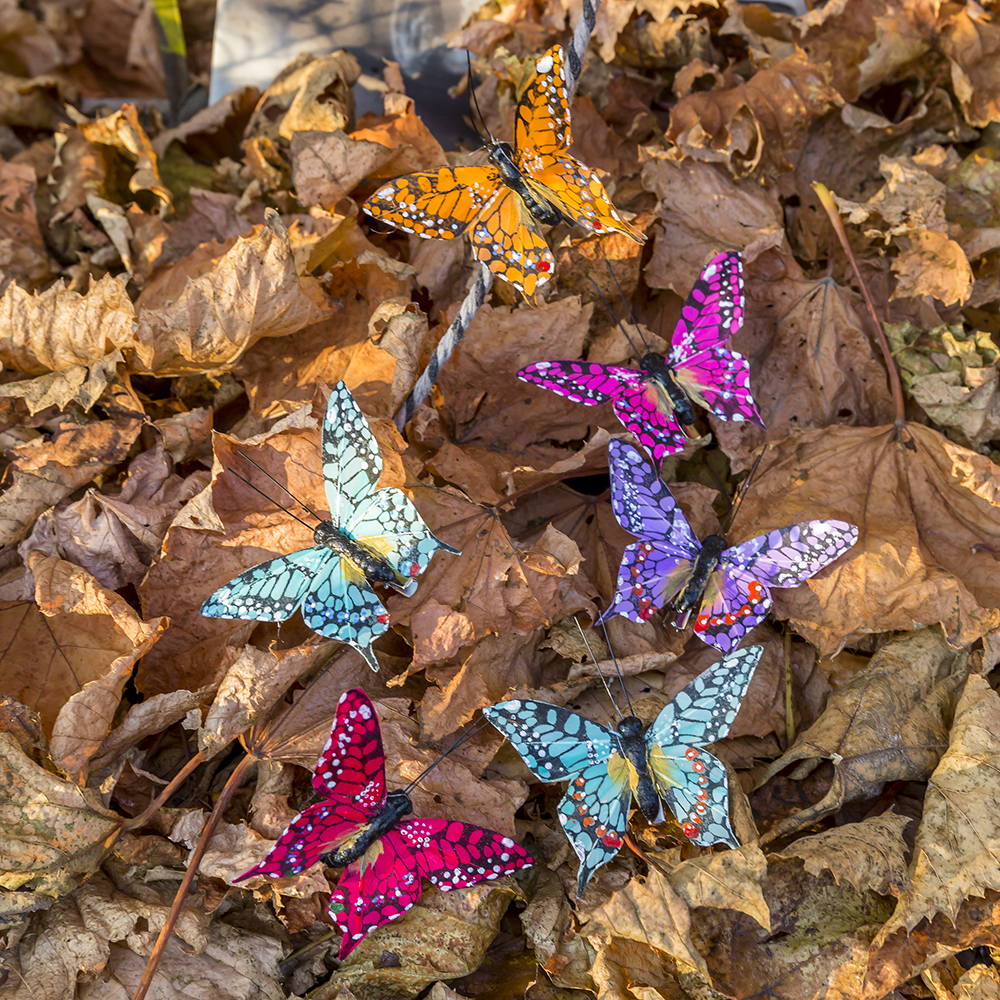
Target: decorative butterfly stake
[
  {"x": 535, "y": 180},
  {"x": 655, "y": 402},
  {"x": 727, "y": 589},
  {"x": 372, "y": 535},
  {"x": 359, "y": 827},
  {"x": 605, "y": 767}
]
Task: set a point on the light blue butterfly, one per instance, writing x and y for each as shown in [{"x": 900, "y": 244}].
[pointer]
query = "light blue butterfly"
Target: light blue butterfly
[
  {"x": 372, "y": 535},
  {"x": 605, "y": 767}
]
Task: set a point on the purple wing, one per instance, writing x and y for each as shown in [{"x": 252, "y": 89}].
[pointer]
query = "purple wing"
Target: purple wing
[
  {"x": 641, "y": 408},
  {"x": 648, "y": 579},
  {"x": 719, "y": 380},
  {"x": 713, "y": 311},
  {"x": 786, "y": 557},
  {"x": 644, "y": 505},
  {"x": 735, "y": 600},
  {"x": 739, "y": 596}
]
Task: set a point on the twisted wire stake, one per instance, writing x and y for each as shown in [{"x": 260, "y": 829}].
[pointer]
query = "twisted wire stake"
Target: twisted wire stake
[{"x": 483, "y": 282}]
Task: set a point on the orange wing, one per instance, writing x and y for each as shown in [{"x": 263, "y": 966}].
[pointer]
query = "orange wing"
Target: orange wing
[
  {"x": 438, "y": 204},
  {"x": 542, "y": 122},
  {"x": 507, "y": 239},
  {"x": 578, "y": 193}
]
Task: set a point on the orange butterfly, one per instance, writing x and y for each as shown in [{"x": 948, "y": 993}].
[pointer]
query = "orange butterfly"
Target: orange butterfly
[{"x": 534, "y": 181}]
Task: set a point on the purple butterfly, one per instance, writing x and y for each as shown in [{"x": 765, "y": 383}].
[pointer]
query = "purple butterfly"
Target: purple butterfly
[
  {"x": 655, "y": 402},
  {"x": 727, "y": 588}
]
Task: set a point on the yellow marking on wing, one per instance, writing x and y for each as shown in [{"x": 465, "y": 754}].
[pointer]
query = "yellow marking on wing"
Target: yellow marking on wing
[
  {"x": 661, "y": 769},
  {"x": 621, "y": 771}
]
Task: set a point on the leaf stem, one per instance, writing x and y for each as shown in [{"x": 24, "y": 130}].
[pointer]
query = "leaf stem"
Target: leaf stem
[
  {"x": 235, "y": 779},
  {"x": 175, "y": 782},
  {"x": 826, "y": 200}
]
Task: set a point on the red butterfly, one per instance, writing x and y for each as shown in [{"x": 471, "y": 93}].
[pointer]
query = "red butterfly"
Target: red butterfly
[
  {"x": 359, "y": 827},
  {"x": 536, "y": 179}
]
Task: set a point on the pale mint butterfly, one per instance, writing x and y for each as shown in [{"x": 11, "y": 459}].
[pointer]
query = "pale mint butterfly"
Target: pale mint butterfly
[
  {"x": 372, "y": 535},
  {"x": 605, "y": 767}
]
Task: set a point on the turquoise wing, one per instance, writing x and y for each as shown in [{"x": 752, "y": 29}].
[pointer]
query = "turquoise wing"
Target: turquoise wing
[
  {"x": 688, "y": 778},
  {"x": 341, "y": 605},
  {"x": 556, "y": 744},
  {"x": 270, "y": 592},
  {"x": 352, "y": 462},
  {"x": 391, "y": 526}
]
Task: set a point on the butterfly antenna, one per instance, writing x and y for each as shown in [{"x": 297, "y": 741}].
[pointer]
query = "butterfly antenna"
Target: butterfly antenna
[
  {"x": 618, "y": 671},
  {"x": 614, "y": 316},
  {"x": 475, "y": 100},
  {"x": 477, "y": 728},
  {"x": 628, "y": 308},
  {"x": 243, "y": 454},
  {"x": 275, "y": 502},
  {"x": 600, "y": 673},
  {"x": 741, "y": 493}
]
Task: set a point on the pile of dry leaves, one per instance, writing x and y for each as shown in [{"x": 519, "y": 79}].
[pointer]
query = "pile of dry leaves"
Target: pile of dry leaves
[{"x": 171, "y": 297}]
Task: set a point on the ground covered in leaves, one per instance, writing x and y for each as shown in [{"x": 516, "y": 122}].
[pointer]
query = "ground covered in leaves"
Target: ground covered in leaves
[{"x": 171, "y": 297}]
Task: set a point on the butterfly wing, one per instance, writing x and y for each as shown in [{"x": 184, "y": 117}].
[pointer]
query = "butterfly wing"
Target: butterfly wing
[
  {"x": 637, "y": 403},
  {"x": 712, "y": 375},
  {"x": 788, "y": 556},
  {"x": 648, "y": 579},
  {"x": 385, "y": 883},
  {"x": 313, "y": 832},
  {"x": 688, "y": 778},
  {"x": 341, "y": 605},
  {"x": 542, "y": 120},
  {"x": 506, "y": 238},
  {"x": 719, "y": 380},
  {"x": 556, "y": 744},
  {"x": 736, "y": 599},
  {"x": 270, "y": 592},
  {"x": 713, "y": 311},
  {"x": 350, "y": 773},
  {"x": 352, "y": 462},
  {"x": 391, "y": 526},
  {"x": 437, "y": 204},
  {"x": 644, "y": 506},
  {"x": 352, "y": 763}
]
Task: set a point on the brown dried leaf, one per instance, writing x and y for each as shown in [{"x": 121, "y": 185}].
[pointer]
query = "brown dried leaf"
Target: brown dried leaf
[
  {"x": 812, "y": 362},
  {"x": 496, "y": 585},
  {"x": 328, "y": 166},
  {"x": 933, "y": 265},
  {"x": 56, "y": 329},
  {"x": 972, "y": 46},
  {"x": 251, "y": 292},
  {"x": 42, "y": 474},
  {"x": 757, "y": 122},
  {"x": 729, "y": 880},
  {"x": 957, "y": 847},
  {"x": 52, "y": 832},
  {"x": 72, "y": 652},
  {"x": 888, "y": 723},
  {"x": 651, "y": 913},
  {"x": 23, "y": 257},
  {"x": 926, "y": 510},
  {"x": 443, "y": 937},
  {"x": 700, "y": 212},
  {"x": 83, "y": 384},
  {"x": 820, "y": 938},
  {"x": 868, "y": 855}
]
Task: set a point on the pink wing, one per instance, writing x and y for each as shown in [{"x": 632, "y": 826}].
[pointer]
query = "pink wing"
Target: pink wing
[
  {"x": 385, "y": 883},
  {"x": 719, "y": 380},
  {"x": 309, "y": 836},
  {"x": 641, "y": 407},
  {"x": 352, "y": 765},
  {"x": 713, "y": 311}
]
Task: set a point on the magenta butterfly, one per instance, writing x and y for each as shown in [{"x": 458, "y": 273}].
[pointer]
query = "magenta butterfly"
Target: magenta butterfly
[
  {"x": 655, "y": 402},
  {"x": 359, "y": 827},
  {"x": 729, "y": 587}
]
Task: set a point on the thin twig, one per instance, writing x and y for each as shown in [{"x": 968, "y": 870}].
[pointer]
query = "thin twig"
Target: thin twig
[
  {"x": 235, "y": 779},
  {"x": 789, "y": 709},
  {"x": 175, "y": 782},
  {"x": 826, "y": 200}
]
